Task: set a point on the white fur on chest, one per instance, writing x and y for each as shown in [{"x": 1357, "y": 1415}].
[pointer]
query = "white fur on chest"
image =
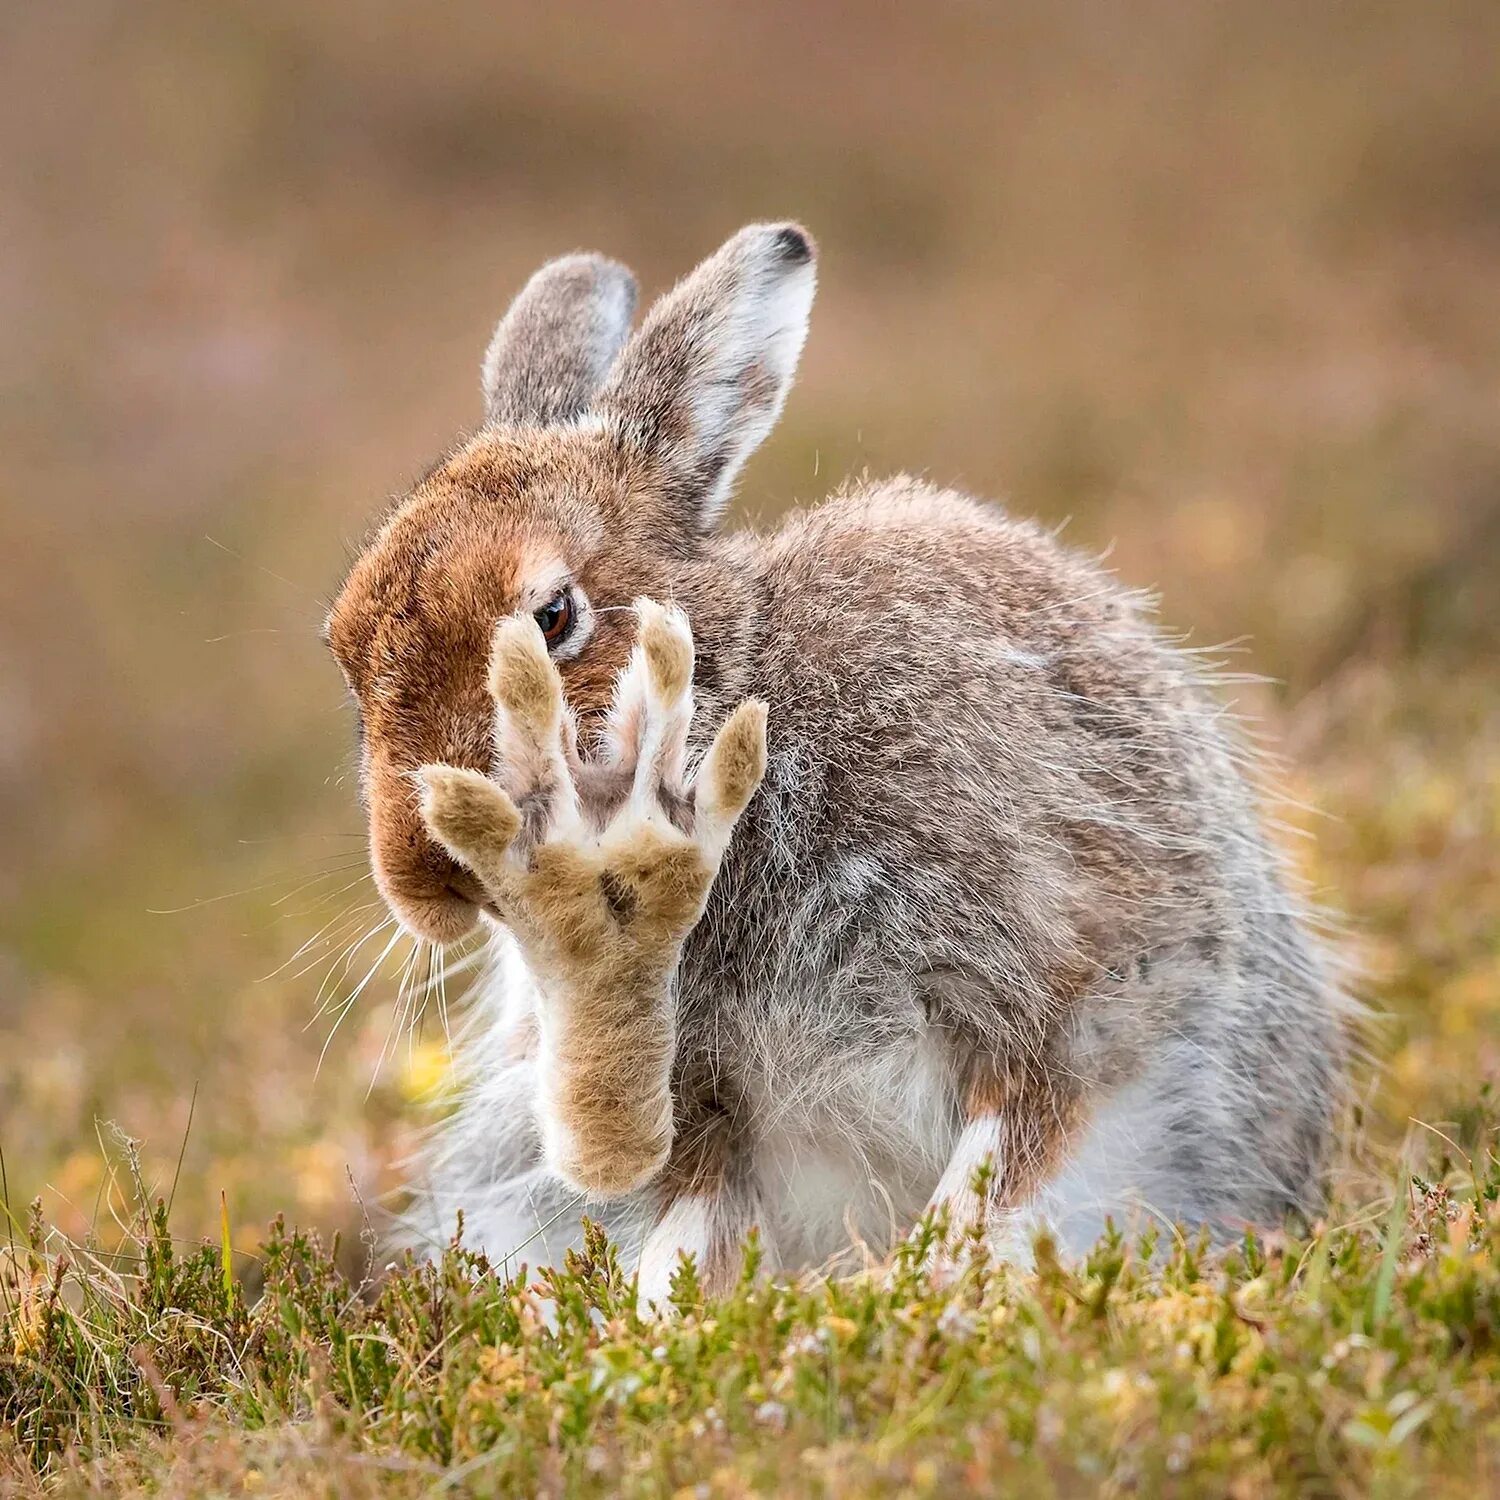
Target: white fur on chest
[
  {"x": 846, "y": 1142},
  {"x": 853, "y": 1156}
]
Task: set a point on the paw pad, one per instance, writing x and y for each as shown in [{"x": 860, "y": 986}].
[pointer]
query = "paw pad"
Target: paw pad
[
  {"x": 668, "y": 646},
  {"x": 522, "y": 678}
]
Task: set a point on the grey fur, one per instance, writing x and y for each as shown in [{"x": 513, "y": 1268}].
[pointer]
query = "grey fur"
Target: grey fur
[{"x": 703, "y": 381}]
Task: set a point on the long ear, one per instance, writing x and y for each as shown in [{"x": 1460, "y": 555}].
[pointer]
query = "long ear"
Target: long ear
[
  {"x": 552, "y": 350},
  {"x": 702, "y": 382}
]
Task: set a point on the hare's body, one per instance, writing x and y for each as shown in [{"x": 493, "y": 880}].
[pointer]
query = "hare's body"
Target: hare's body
[
  {"x": 1000, "y": 819},
  {"x": 1001, "y": 900}
]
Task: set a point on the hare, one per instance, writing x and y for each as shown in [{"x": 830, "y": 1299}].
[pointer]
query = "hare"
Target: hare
[{"x": 888, "y": 860}]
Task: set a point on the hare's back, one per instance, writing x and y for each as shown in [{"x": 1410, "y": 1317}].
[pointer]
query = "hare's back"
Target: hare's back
[{"x": 955, "y": 688}]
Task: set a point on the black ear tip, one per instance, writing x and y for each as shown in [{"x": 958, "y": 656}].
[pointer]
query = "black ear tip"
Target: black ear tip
[{"x": 794, "y": 245}]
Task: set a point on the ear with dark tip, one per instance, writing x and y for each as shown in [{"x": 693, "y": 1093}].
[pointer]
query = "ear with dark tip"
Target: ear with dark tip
[
  {"x": 553, "y": 349},
  {"x": 703, "y": 380}
]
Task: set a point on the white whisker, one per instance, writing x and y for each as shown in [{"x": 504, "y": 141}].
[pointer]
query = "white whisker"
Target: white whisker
[
  {"x": 347, "y": 959},
  {"x": 348, "y": 1005}
]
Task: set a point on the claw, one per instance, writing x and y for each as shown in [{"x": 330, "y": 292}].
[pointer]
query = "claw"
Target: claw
[{"x": 654, "y": 703}]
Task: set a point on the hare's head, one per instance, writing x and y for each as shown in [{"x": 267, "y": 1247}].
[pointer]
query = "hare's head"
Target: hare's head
[{"x": 603, "y": 461}]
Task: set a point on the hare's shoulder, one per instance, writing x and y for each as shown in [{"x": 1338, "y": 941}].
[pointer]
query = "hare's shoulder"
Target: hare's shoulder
[{"x": 901, "y": 547}]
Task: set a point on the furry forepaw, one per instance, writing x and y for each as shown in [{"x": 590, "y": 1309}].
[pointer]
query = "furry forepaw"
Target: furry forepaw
[
  {"x": 601, "y": 869},
  {"x": 469, "y": 816},
  {"x": 573, "y": 875}
]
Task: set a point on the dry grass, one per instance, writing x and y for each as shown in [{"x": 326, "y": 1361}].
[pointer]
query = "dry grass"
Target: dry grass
[
  {"x": 1217, "y": 283},
  {"x": 1362, "y": 1359}
]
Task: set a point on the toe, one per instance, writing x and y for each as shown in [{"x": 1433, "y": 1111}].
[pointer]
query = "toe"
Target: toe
[
  {"x": 531, "y": 726},
  {"x": 732, "y": 770},
  {"x": 667, "y": 641},
  {"x": 469, "y": 816},
  {"x": 523, "y": 680},
  {"x": 661, "y": 676}
]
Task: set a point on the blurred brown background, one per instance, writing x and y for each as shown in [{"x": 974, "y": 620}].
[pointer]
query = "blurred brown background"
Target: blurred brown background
[{"x": 1219, "y": 282}]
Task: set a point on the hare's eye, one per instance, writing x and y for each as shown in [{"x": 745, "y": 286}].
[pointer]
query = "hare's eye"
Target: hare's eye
[{"x": 557, "y": 618}]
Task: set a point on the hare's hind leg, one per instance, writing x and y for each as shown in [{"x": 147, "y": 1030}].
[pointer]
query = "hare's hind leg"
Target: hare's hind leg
[
  {"x": 1073, "y": 1165},
  {"x": 1018, "y": 1128},
  {"x": 707, "y": 1207}
]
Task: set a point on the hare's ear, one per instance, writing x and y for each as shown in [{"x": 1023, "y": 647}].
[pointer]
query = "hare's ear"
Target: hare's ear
[
  {"x": 701, "y": 383},
  {"x": 552, "y": 350}
]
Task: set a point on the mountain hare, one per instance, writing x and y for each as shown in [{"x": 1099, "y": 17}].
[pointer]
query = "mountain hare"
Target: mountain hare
[{"x": 824, "y": 867}]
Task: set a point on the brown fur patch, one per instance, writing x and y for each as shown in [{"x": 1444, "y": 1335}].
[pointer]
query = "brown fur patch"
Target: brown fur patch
[{"x": 1039, "y": 1112}]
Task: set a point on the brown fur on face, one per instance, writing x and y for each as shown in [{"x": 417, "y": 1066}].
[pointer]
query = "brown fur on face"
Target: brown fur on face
[{"x": 489, "y": 533}]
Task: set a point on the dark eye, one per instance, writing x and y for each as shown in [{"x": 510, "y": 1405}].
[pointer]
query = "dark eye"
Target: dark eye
[{"x": 557, "y": 618}]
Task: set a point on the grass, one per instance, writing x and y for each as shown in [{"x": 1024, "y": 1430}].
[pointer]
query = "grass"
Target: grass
[{"x": 1359, "y": 1358}]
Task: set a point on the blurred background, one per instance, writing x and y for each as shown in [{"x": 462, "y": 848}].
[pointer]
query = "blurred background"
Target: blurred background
[{"x": 1218, "y": 284}]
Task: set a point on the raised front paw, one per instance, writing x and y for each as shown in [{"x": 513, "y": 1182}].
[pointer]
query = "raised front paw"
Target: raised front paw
[
  {"x": 600, "y": 869},
  {"x": 605, "y": 866}
]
